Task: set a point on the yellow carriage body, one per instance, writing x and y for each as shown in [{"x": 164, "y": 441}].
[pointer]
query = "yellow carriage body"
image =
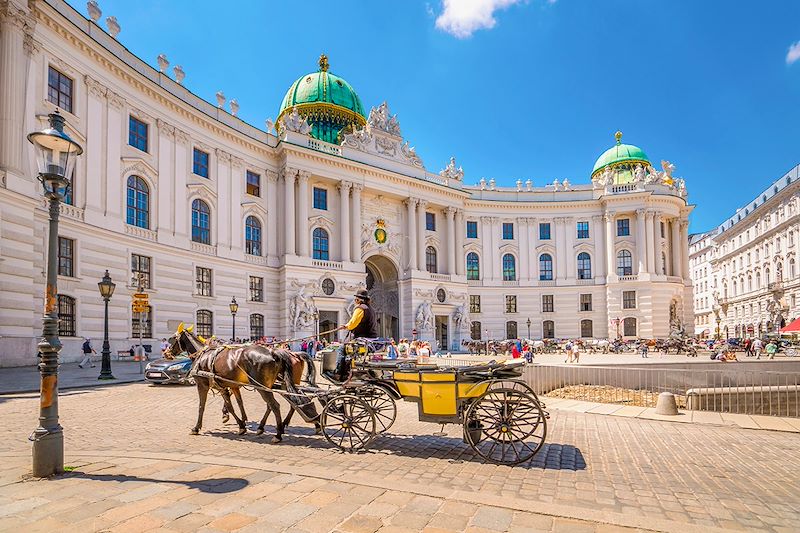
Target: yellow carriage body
[{"x": 438, "y": 393}]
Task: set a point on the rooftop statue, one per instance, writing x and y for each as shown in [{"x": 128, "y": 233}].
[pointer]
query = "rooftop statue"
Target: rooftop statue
[
  {"x": 452, "y": 172},
  {"x": 380, "y": 118},
  {"x": 296, "y": 122}
]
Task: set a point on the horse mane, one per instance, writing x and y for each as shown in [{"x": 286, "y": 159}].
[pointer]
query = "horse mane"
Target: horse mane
[{"x": 196, "y": 344}]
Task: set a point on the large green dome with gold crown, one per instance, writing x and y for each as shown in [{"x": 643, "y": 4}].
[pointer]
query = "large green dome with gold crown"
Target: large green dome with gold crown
[
  {"x": 621, "y": 158},
  {"x": 326, "y": 101}
]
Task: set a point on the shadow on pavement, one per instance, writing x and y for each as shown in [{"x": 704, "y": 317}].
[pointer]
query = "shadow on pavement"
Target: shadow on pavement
[
  {"x": 220, "y": 485},
  {"x": 552, "y": 456}
]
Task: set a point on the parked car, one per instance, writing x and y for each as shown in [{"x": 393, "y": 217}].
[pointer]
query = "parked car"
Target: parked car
[{"x": 163, "y": 371}]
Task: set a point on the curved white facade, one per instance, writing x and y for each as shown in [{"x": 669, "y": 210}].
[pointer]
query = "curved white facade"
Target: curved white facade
[{"x": 373, "y": 181}]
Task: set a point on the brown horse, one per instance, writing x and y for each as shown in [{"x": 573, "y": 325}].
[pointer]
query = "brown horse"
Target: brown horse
[{"x": 234, "y": 367}]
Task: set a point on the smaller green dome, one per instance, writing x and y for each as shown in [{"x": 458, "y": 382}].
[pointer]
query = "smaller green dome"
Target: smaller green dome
[{"x": 620, "y": 154}]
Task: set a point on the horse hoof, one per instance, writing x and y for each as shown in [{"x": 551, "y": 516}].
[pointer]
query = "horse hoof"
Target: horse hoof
[
  {"x": 276, "y": 440},
  {"x": 242, "y": 431},
  {"x": 194, "y": 431},
  {"x": 260, "y": 431}
]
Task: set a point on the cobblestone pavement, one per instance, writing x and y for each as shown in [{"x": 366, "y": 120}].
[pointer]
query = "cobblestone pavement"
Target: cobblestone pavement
[{"x": 609, "y": 470}]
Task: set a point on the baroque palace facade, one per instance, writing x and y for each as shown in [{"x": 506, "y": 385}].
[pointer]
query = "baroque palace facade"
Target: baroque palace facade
[
  {"x": 745, "y": 271},
  {"x": 293, "y": 220}
]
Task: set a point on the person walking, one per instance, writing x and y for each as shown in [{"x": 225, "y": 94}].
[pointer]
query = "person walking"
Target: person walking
[
  {"x": 644, "y": 349},
  {"x": 87, "y": 353},
  {"x": 757, "y": 345},
  {"x": 772, "y": 349},
  {"x": 748, "y": 347},
  {"x": 568, "y": 350}
]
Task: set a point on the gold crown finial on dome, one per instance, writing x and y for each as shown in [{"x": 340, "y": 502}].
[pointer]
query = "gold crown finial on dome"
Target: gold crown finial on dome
[
  {"x": 323, "y": 63},
  {"x": 618, "y": 137}
]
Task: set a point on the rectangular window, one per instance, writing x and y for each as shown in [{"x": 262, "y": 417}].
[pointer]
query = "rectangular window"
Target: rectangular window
[
  {"x": 320, "y": 198},
  {"x": 256, "y": 326},
  {"x": 511, "y": 303},
  {"x": 430, "y": 221},
  {"x": 253, "y": 184},
  {"x": 59, "y": 89},
  {"x": 662, "y": 229},
  {"x": 200, "y": 163},
  {"x": 508, "y": 231},
  {"x": 256, "y": 289},
  {"x": 547, "y": 303},
  {"x": 583, "y": 230},
  {"x": 629, "y": 299},
  {"x": 137, "y": 134},
  {"x": 140, "y": 268},
  {"x": 472, "y": 229},
  {"x": 475, "y": 331},
  {"x": 586, "y": 302},
  {"x": 203, "y": 281},
  {"x": 66, "y": 257},
  {"x": 544, "y": 231},
  {"x": 623, "y": 227},
  {"x": 144, "y": 322},
  {"x": 474, "y": 303}
]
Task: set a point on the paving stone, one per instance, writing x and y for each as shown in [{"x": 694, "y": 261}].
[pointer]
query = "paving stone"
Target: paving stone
[
  {"x": 231, "y": 522},
  {"x": 448, "y": 522},
  {"x": 493, "y": 518},
  {"x": 361, "y": 524},
  {"x": 561, "y": 525}
]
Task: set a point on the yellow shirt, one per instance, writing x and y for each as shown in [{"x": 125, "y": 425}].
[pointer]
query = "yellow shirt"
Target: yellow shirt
[{"x": 355, "y": 320}]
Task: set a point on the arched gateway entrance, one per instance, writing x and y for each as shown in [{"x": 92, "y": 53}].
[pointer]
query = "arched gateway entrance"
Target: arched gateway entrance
[{"x": 382, "y": 287}]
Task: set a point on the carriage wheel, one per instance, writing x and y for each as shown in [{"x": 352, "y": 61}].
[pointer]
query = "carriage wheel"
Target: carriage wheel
[
  {"x": 382, "y": 404},
  {"x": 505, "y": 426},
  {"x": 348, "y": 422}
]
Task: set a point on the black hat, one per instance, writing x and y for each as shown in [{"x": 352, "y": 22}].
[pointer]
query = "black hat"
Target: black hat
[{"x": 362, "y": 294}]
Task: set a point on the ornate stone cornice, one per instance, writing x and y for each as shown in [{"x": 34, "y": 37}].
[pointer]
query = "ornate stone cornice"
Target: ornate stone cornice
[
  {"x": 450, "y": 211},
  {"x": 271, "y": 175},
  {"x": 597, "y": 218},
  {"x": 115, "y": 101},
  {"x": 95, "y": 87},
  {"x": 16, "y": 17},
  {"x": 357, "y": 187},
  {"x": 303, "y": 175},
  {"x": 222, "y": 155},
  {"x": 640, "y": 212},
  {"x": 423, "y": 204},
  {"x": 31, "y": 45},
  {"x": 410, "y": 202},
  {"x": 236, "y": 162},
  {"x": 165, "y": 129},
  {"x": 344, "y": 186},
  {"x": 181, "y": 137}
]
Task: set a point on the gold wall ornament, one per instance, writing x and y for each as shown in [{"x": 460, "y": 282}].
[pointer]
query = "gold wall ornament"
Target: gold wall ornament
[
  {"x": 381, "y": 236},
  {"x": 323, "y": 63}
]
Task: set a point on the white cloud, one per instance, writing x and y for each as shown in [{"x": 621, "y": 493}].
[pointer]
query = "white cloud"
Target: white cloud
[
  {"x": 462, "y": 18},
  {"x": 793, "y": 54}
]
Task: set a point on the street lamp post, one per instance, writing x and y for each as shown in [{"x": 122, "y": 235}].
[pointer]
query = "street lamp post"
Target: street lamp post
[
  {"x": 106, "y": 287},
  {"x": 529, "y": 327},
  {"x": 55, "y": 156},
  {"x": 234, "y": 307}
]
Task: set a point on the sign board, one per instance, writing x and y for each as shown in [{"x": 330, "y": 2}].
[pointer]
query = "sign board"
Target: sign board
[
  {"x": 139, "y": 307},
  {"x": 140, "y": 296}
]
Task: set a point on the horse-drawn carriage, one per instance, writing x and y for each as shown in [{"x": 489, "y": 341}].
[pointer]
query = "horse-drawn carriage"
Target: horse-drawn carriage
[{"x": 503, "y": 420}]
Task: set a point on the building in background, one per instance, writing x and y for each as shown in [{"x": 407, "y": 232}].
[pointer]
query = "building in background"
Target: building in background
[
  {"x": 293, "y": 220},
  {"x": 745, "y": 271}
]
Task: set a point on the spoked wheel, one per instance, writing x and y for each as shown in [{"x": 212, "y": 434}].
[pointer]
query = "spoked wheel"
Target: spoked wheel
[
  {"x": 505, "y": 425},
  {"x": 348, "y": 422},
  {"x": 382, "y": 404}
]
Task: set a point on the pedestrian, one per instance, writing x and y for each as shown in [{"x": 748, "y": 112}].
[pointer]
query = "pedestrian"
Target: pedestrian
[
  {"x": 391, "y": 350},
  {"x": 643, "y": 349},
  {"x": 164, "y": 346},
  {"x": 757, "y": 345},
  {"x": 748, "y": 347},
  {"x": 576, "y": 353},
  {"x": 568, "y": 350},
  {"x": 87, "y": 353},
  {"x": 772, "y": 349}
]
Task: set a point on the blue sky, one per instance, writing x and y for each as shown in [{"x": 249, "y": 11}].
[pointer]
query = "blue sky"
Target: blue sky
[{"x": 518, "y": 89}]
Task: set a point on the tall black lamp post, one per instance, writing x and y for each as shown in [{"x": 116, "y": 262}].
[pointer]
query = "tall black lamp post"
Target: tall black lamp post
[
  {"x": 234, "y": 307},
  {"x": 529, "y": 327},
  {"x": 106, "y": 287},
  {"x": 55, "y": 157}
]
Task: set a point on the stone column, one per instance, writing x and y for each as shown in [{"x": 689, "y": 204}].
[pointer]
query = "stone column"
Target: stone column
[
  {"x": 289, "y": 176},
  {"x": 561, "y": 248},
  {"x": 524, "y": 249},
  {"x": 181, "y": 208},
  {"x": 533, "y": 240},
  {"x": 271, "y": 233},
  {"x": 461, "y": 229},
  {"x": 355, "y": 224},
  {"x": 422, "y": 205},
  {"x": 660, "y": 265},
  {"x": 609, "y": 219},
  {"x": 570, "y": 233},
  {"x": 494, "y": 258},
  {"x": 641, "y": 241},
  {"x": 166, "y": 139},
  {"x": 302, "y": 214},
  {"x": 344, "y": 219},
  {"x": 224, "y": 200},
  {"x": 684, "y": 248},
  {"x": 487, "y": 265},
  {"x": 598, "y": 261},
  {"x": 14, "y": 24},
  {"x": 113, "y": 178},
  {"x": 650, "y": 237},
  {"x": 96, "y": 102},
  {"x": 450, "y": 216},
  {"x": 411, "y": 233},
  {"x": 675, "y": 248}
]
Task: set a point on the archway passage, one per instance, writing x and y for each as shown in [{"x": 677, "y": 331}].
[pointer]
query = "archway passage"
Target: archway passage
[{"x": 383, "y": 293}]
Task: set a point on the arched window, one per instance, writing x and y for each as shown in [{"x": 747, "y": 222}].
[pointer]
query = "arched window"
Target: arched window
[
  {"x": 473, "y": 266},
  {"x": 749, "y": 283},
  {"x": 758, "y": 280},
  {"x": 201, "y": 222},
  {"x": 766, "y": 276},
  {"x": 511, "y": 329},
  {"x": 204, "y": 323},
  {"x": 586, "y": 328},
  {"x": 509, "y": 271},
  {"x": 321, "y": 244},
  {"x": 256, "y": 326},
  {"x": 475, "y": 330},
  {"x": 252, "y": 238},
  {"x": 545, "y": 267},
  {"x": 584, "y": 266},
  {"x": 66, "y": 316},
  {"x": 629, "y": 327},
  {"x": 430, "y": 260},
  {"x": 735, "y": 287},
  {"x": 548, "y": 329},
  {"x": 624, "y": 263},
  {"x": 138, "y": 213}
]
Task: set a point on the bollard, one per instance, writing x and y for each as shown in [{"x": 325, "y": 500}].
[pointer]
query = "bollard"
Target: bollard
[{"x": 666, "y": 404}]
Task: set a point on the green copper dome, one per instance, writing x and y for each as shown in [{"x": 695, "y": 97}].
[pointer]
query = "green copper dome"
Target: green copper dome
[
  {"x": 326, "y": 101},
  {"x": 620, "y": 155}
]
